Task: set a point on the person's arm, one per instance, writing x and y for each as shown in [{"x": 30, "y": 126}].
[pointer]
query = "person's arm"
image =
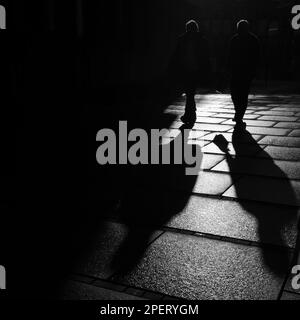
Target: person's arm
[
  {"x": 207, "y": 62},
  {"x": 256, "y": 55},
  {"x": 175, "y": 59},
  {"x": 229, "y": 63}
]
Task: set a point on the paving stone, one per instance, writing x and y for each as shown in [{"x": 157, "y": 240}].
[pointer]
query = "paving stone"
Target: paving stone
[
  {"x": 295, "y": 133},
  {"x": 281, "y": 153},
  {"x": 229, "y": 116},
  {"x": 109, "y": 285},
  {"x": 228, "y": 137},
  {"x": 153, "y": 296},
  {"x": 212, "y": 183},
  {"x": 210, "y": 160},
  {"x": 261, "y": 167},
  {"x": 275, "y": 113},
  {"x": 205, "y": 114},
  {"x": 213, "y": 97},
  {"x": 267, "y": 131},
  {"x": 97, "y": 261},
  {"x": 228, "y": 105},
  {"x": 281, "y": 141},
  {"x": 290, "y": 125},
  {"x": 170, "y": 298},
  {"x": 224, "y": 115},
  {"x": 198, "y": 135},
  {"x": 243, "y": 220},
  {"x": 229, "y": 111},
  {"x": 81, "y": 278},
  {"x": 279, "y": 118},
  {"x": 290, "y": 296},
  {"x": 287, "y": 108},
  {"x": 213, "y": 109},
  {"x": 135, "y": 292},
  {"x": 244, "y": 149},
  {"x": 81, "y": 291},
  {"x": 251, "y": 116},
  {"x": 173, "y": 133},
  {"x": 267, "y": 190},
  {"x": 209, "y": 120},
  {"x": 290, "y": 168},
  {"x": 211, "y": 127},
  {"x": 196, "y": 268},
  {"x": 257, "y": 106},
  {"x": 256, "y": 123}
]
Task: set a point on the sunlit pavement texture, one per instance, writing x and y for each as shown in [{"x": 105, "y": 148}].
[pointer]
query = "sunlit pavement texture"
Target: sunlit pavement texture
[{"x": 235, "y": 235}]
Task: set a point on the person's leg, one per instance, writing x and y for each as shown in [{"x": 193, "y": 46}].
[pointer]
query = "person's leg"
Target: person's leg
[
  {"x": 245, "y": 95},
  {"x": 190, "y": 100},
  {"x": 190, "y": 106},
  {"x": 236, "y": 97},
  {"x": 240, "y": 91}
]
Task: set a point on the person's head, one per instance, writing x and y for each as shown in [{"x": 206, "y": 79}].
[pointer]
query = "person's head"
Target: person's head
[
  {"x": 243, "y": 27},
  {"x": 192, "y": 26}
]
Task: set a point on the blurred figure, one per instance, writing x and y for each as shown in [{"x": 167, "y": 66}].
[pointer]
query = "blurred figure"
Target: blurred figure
[
  {"x": 192, "y": 64},
  {"x": 243, "y": 61}
]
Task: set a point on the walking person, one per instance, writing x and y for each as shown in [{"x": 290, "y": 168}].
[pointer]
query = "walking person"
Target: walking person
[
  {"x": 243, "y": 61},
  {"x": 192, "y": 63}
]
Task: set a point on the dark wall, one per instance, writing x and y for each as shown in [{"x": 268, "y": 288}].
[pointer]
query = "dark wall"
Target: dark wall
[{"x": 132, "y": 41}]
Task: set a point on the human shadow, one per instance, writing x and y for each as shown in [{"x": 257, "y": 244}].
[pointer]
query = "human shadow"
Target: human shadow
[
  {"x": 272, "y": 219},
  {"x": 142, "y": 194},
  {"x": 158, "y": 193},
  {"x": 138, "y": 197}
]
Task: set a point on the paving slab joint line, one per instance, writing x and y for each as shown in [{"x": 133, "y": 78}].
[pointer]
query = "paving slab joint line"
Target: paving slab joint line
[
  {"x": 283, "y": 205},
  {"x": 284, "y": 283},
  {"x": 107, "y": 284},
  {"x": 205, "y": 235},
  {"x": 97, "y": 282},
  {"x": 253, "y": 175},
  {"x": 222, "y": 197},
  {"x": 228, "y": 239},
  {"x": 275, "y": 123},
  {"x": 235, "y": 178},
  {"x": 292, "y": 292}
]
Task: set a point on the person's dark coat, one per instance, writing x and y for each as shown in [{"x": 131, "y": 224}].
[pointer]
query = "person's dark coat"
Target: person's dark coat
[
  {"x": 244, "y": 54},
  {"x": 191, "y": 61}
]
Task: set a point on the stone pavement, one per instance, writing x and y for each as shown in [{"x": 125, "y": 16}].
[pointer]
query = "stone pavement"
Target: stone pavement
[{"x": 235, "y": 238}]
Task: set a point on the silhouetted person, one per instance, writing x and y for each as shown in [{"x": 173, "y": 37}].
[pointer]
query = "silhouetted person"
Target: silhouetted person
[
  {"x": 192, "y": 62},
  {"x": 243, "y": 60}
]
